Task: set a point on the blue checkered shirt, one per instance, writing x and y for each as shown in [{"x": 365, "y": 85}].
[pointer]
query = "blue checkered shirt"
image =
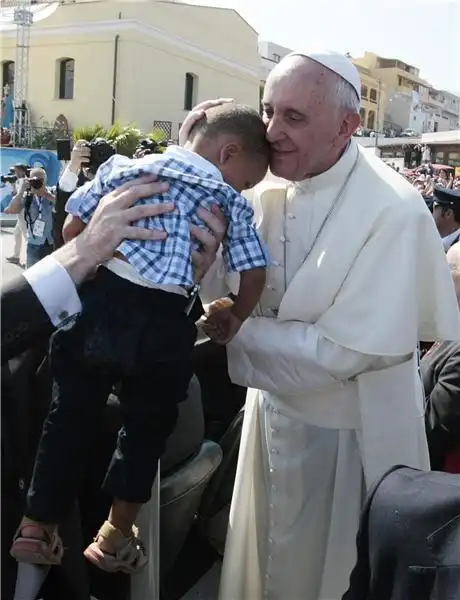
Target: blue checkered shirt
[{"x": 193, "y": 182}]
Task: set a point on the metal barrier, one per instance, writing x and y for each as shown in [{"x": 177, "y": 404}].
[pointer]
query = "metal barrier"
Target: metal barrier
[{"x": 165, "y": 127}]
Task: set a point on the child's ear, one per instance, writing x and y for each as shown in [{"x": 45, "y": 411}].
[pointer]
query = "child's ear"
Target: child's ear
[{"x": 229, "y": 151}]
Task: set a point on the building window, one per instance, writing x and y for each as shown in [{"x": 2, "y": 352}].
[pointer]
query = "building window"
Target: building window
[
  {"x": 400, "y": 80},
  {"x": 191, "y": 85},
  {"x": 362, "y": 116},
  {"x": 364, "y": 91},
  {"x": 276, "y": 57},
  {"x": 8, "y": 74},
  {"x": 371, "y": 120},
  {"x": 66, "y": 77},
  {"x": 373, "y": 95}
]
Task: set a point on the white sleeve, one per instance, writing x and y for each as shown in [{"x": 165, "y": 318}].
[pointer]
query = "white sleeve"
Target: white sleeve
[
  {"x": 68, "y": 181},
  {"x": 54, "y": 289},
  {"x": 291, "y": 358}
]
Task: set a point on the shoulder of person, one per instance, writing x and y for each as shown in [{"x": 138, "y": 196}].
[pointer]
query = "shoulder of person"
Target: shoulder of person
[
  {"x": 386, "y": 189},
  {"x": 270, "y": 187}
]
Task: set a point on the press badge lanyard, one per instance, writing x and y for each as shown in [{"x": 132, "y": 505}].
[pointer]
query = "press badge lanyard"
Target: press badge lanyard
[{"x": 38, "y": 225}]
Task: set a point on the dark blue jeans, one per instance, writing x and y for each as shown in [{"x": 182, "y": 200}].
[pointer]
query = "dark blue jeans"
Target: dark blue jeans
[
  {"x": 125, "y": 332},
  {"x": 36, "y": 253}
]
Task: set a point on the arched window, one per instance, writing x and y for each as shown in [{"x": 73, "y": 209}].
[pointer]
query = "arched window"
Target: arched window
[
  {"x": 191, "y": 90},
  {"x": 373, "y": 95},
  {"x": 371, "y": 120},
  {"x": 364, "y": 91},
  {"x": 65, "y": 78},
  {"x": 8, "y": 73},
  {"x": 362, "y": 116}
]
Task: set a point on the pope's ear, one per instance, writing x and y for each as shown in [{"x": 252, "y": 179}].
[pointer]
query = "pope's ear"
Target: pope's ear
[{"x": 350, "y": 124}]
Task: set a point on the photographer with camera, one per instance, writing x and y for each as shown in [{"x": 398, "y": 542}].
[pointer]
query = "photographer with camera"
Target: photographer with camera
[
  {"x": 16, "y": 178},
  {"x": 85, "y": 159},
  {"x": 148, "y": 146},
  {"x": 73, "y": 175},
  {"x": 37, "y": 202}
]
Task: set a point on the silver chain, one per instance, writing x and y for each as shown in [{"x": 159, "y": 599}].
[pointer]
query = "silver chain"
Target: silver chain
[{"x": 330, "y": 212}]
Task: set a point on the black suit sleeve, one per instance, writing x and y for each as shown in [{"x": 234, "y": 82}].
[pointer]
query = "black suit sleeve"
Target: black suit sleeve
[
  {"x": 25, "y": 322},
  {"x": 443, "y": 408}
]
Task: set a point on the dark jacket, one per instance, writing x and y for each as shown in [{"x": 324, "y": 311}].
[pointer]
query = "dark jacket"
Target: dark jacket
[
  {"x": 409, "y": 539},
  {"x": 440, "y": 369},
  {"x": 24, "y": 320}
]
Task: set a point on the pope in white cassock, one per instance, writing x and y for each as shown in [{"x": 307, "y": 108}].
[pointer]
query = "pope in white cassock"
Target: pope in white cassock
[{"x": 358, "y": 276}]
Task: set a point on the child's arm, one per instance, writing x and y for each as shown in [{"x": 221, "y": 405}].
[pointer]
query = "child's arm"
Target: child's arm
[
  {"x": 73, "y": 226},
  {"x": 225, "y": 317},
  {"x": 252, "y": 285}
]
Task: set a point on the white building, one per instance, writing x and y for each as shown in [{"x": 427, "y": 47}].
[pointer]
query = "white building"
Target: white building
[
  {"x": 270, "y": 55},
  {"x": 427, "y": 110}
]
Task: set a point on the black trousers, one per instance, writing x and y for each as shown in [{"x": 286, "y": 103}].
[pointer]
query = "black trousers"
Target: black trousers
[{"x": 139, "y": 336}]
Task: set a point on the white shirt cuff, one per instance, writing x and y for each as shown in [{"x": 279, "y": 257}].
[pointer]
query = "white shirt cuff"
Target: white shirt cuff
[
  {"x": 68, "y": 181},
  {"x": 54, "y": 289}
]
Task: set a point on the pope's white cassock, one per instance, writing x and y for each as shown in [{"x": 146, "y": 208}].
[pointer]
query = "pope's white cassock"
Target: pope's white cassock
[{"x": 330, "y": 361}]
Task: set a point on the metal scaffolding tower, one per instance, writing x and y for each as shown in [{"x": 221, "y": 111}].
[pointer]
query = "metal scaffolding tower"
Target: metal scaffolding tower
[{"x": 23, "y": 19}]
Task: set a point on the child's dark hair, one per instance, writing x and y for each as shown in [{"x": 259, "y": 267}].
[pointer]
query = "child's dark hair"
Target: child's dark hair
[{"x": 239, "y": 120}]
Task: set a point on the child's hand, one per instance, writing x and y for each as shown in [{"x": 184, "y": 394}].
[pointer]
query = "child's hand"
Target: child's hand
[{"x": 220, "y": 324}]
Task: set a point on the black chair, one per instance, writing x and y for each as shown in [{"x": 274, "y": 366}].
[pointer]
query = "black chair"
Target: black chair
[{"x": 186, "y": 467}]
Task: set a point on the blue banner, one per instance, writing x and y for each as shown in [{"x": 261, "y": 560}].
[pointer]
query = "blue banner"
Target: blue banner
[{"x": 47, "y": 159}]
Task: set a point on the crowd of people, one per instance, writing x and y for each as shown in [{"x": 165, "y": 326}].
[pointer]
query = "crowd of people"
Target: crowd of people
[
  {"x": 321, "y": 299},
  {"x": 427, "y": 177}
]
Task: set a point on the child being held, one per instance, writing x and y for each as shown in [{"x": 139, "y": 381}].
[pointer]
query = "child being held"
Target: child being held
[{"x": 134, "y": 328}]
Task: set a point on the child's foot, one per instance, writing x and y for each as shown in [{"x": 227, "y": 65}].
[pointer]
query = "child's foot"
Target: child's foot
[
  {"x": 37, "y": 543},
  {"x": 112, "y": 551}
]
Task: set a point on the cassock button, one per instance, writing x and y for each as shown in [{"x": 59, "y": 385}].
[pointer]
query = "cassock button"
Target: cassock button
[
  {"x": 269, "y": 287},
  {"x": 282, "y": 239},
  {"x": 272, "y": 470},
  {"x": 275, "y": 263},
  {"x": 290, "y": 216},
  {"x": 274, "y": 451}
]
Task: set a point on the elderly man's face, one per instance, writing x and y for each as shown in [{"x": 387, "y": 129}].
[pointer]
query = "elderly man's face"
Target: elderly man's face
[{"x": 305, "y": 127}]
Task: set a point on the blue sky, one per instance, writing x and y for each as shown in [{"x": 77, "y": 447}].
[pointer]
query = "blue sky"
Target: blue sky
[{"x": 424, "y": 33}]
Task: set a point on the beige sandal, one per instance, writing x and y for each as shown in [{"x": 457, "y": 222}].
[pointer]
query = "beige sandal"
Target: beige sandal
[
  {"x": 127, "y": 553},
  {"x": 46, "y": 549}
]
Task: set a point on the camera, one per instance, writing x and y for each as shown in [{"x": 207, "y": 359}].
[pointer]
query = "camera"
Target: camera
[
  {"x": 12, "y": 177},
  {"x": 150, "y": 146},
  {"x": 100, "y": 151},
  {"x": 8, "y": 178},
  {"x": 35, "y": 183}
]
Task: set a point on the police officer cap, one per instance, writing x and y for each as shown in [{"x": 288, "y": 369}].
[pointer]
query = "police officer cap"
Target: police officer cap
[{"x": 446, "y": 197}]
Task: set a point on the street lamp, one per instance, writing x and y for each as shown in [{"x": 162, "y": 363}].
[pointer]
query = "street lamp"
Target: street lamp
[{"x": 378, "y": 115}]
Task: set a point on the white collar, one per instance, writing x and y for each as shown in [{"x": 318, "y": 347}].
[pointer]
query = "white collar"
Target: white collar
[
  {"x": 447, "y": 241},
  {"x": 333, "y": 176},
  {"x": 193, "y": 158}
]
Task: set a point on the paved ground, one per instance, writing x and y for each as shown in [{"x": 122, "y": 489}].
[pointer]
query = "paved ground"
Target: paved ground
[{"x": 6, "y": 249}]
